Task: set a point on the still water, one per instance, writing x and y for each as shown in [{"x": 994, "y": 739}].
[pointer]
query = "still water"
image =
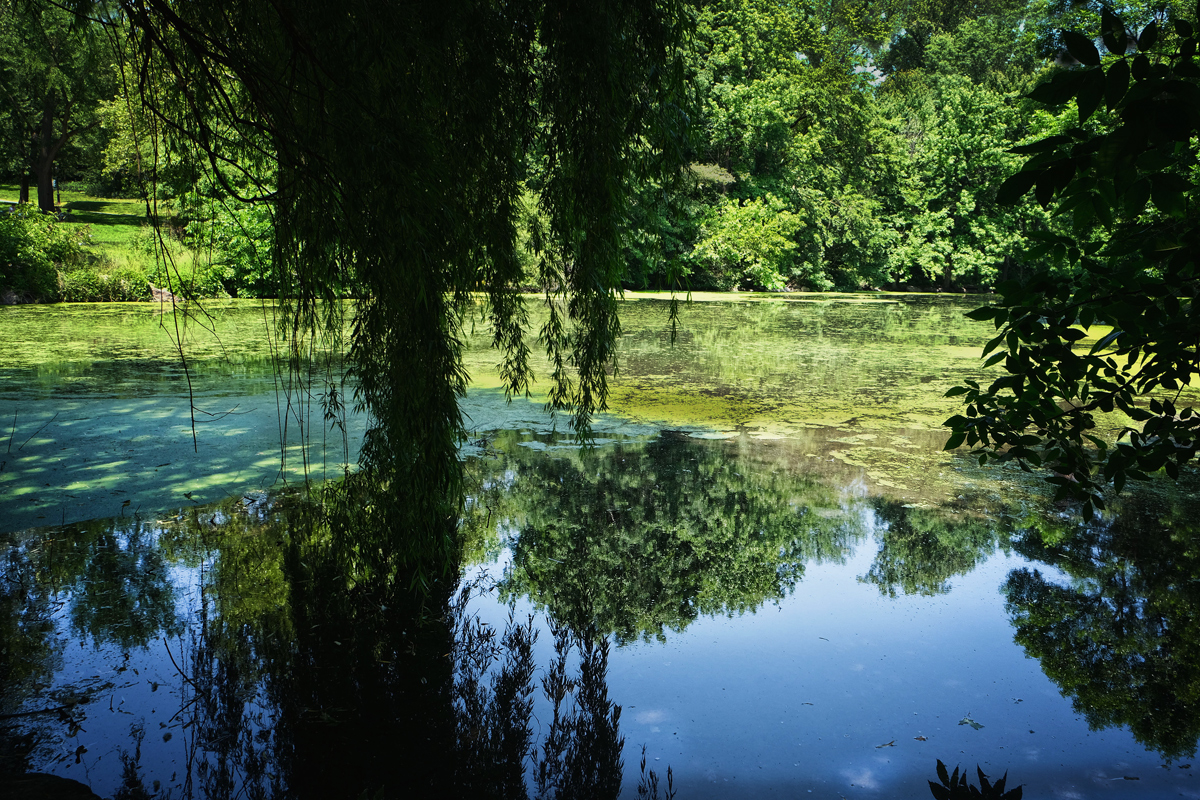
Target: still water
[{"x": 765, "y": 576}]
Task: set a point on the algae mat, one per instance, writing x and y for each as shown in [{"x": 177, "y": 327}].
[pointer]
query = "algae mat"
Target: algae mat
[{"x": 98, "y": 407}]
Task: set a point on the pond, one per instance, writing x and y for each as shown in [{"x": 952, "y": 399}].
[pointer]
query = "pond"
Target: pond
[{"x": 765, "y": 576}]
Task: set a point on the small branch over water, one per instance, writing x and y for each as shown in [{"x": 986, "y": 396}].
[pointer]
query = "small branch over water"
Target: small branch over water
[{"x": 35, "y": 433}]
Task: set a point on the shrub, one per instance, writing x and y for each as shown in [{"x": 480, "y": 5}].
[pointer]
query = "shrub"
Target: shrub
[
  {"x": 239, "y": 239},
  {"x": 33, "y": 248},
  {"x": 100, "y": 285},
  {"x": 79, "y": 286},
  {"x": 203, "y": 281},
  {"x": 749, "y": 244}
]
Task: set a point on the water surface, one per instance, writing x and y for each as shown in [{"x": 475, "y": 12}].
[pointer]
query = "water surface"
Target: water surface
[
  {"x": 766, "y": 563},
  {"x": 106, "y": 403}
]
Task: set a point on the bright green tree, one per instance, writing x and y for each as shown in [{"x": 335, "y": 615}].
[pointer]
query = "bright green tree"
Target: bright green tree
[
  {"x": 785, "y": 108},
  {"x": 952, "y": 230},
  {"x": 749, "y": 243}
]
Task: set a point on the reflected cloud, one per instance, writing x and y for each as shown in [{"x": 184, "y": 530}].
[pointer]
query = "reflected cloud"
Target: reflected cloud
[{"x": 862, "y": 779}]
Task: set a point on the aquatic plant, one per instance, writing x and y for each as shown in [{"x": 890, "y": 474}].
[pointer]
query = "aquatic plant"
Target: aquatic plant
[{"x": 957, "y": 787}]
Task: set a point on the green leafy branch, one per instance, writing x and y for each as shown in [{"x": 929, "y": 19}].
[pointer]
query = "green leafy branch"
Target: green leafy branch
[{"x": 1124, "y": 175}]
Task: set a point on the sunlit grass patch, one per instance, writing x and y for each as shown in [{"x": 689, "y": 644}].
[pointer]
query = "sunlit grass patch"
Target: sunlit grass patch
[{"x": 123, "y": 255}]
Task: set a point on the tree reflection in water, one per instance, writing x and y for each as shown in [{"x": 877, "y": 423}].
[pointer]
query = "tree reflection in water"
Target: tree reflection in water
[
  {"x": 304, "y": 675},
  {"x": 1121, "y": 634},
  {"x": 921, "y": 549},
  {"x": 646, "y": 537},
  {"x": 107, "y": 580},
  {"x": 298, "y": 681}
]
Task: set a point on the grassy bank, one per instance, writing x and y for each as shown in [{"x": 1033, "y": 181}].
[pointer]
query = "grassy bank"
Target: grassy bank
[{"x": 97, "y": 250}]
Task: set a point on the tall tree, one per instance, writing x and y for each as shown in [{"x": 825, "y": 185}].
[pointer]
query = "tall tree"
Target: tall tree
[
  {"x": 959, "y": 114},
  {"x": 785, "y": 108},
  {"x": 54, "y": 73}
]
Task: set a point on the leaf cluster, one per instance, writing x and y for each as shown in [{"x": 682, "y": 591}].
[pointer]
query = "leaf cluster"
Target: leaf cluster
[
  {"x": 33, "y": 248},
  {"x": 956, "y": 787},
  {"x": 1122, "y": 334}
]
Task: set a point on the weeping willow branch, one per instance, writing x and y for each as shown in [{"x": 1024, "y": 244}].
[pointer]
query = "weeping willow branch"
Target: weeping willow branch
[{"x": 394, "y": 141}]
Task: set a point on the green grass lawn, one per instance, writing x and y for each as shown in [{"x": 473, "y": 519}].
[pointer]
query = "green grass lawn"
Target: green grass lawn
[
  {"x": 114, "y": 224},
  {"x": 9, "y": 192},
  {"x": 115, "y": 221},
  {"x": 110, "y": 231}
]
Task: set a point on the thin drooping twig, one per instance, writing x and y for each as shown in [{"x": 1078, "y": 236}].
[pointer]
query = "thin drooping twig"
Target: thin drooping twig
[
  {"x": 13, "y": 431},
  {"x": 182, "y": 674},
  {"x": 218, "y": 416},
  {"x": 35, "y": 433}
]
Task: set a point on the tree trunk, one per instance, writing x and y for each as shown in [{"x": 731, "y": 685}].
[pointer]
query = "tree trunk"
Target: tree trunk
[
  {"x": 24, "y": 196},
  {"x": 47, "y": 149},
  {"x": 45, "y": 184}
]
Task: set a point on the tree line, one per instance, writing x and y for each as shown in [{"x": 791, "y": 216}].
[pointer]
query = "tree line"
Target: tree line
[
  {"x": 845, "y": 146},
  {"x": 828, "y": 145}
]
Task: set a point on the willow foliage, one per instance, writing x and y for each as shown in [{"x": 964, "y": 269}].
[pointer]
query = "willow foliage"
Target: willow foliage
[{"x": 397, "y": 137}]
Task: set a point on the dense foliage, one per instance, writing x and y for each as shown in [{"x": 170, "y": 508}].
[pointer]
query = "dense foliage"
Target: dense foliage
[
  {"x": 54, "y": 74},
  {"x": 829, "y": 146},
  {"x": 839, "y": 150},
  {"x": 32, "y": 250},
  {"x": 44, "y": 260},
  {"x": 1124, "y": 176}
]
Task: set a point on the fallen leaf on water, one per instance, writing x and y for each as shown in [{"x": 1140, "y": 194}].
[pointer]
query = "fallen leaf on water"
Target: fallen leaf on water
[
  {"x": 79, "y": 751},
  {"x": 920, "y": 738},
  {"x": 968, "y": 721},
  {"x": 892, "y": 743}
]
